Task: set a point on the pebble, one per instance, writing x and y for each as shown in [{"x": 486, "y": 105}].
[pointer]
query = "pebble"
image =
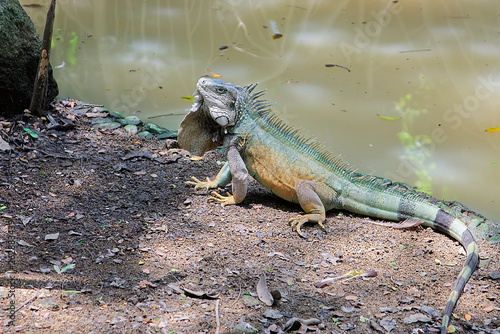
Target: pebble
[
  {"x": 52, "y": 236},
  {"x": 250, "y": 301},
  {"x": 273, "y": 314},
  {"x": 244, "y": 328},
  {"x": 495, "y": 274},
  {"x": 49, "y": 303},
  {"x": 417, "y": 317}
]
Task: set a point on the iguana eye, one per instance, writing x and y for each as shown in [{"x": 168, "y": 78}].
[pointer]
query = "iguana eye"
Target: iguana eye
[{"x": 220, "y": 90}]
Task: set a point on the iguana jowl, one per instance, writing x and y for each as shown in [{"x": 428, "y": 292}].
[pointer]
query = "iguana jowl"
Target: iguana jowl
[{"x": 302, "y": 171}]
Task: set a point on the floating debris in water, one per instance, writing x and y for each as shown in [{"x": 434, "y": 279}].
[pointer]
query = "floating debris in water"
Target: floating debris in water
[
  {"x": 214, "y": 75},
  {"x": 274, "y": 27},
  {"x": 389, "y": 118},
  {"x": 337, "y": 65},
  {"x": 492, "y": 129},
  {"x": 61, "y": 66}
]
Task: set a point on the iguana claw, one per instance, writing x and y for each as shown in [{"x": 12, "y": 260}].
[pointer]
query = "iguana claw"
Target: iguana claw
[
  {"x": 202, "y": 184},
  {"x": 300, "y": 220},
  {"x": 223, "y": 200}
]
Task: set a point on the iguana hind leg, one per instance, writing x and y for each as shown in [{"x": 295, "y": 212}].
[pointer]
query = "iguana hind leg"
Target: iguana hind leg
[{"x": 310, "y": 201}]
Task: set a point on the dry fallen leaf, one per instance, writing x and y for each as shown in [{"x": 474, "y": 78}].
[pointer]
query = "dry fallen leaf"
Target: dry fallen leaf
[
  {"x": 263, "y": 293},
  {"x": 489, "y": 308},
  {"x": 142, "y": 284}
]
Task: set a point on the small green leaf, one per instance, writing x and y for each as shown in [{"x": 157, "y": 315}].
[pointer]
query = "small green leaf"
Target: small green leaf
[{"x": 68, "y": 267}]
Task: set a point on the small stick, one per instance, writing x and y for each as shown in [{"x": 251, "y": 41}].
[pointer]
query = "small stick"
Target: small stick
[
  {"x": 217, "y": 329},
  {"x": 26, "y": 302}
]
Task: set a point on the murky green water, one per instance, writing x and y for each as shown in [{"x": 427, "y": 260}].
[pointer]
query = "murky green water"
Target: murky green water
[{"x": 432, "y": 67}]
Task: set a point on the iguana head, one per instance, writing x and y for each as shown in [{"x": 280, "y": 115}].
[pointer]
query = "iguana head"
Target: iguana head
[
  {"x": 220, "y": 98},
  {"x": 215, "y": 108}
]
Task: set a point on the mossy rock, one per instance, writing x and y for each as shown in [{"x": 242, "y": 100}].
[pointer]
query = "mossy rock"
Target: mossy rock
[
  {"x": 131, "y": 129},
  {"x": 153, "y": 128},
  {"x": 132, "y": 120},
  {"x": 99, "y": 110},
  {"x": 101, "y": 120},
  {"x": 116, "y": 115},
  {"x": 109, "y": 125},
  {"x": 168, "y": 135},
  {"x": 146, "y": 134}
]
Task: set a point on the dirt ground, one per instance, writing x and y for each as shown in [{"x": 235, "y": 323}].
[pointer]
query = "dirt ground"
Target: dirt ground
[{"x": 109, "y": 239}]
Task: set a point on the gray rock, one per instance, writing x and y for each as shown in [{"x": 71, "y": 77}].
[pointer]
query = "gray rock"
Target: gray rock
[{"x": 20, "y": 52}]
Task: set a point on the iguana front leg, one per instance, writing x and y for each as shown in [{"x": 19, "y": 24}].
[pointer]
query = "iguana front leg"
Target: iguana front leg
[
  {"x": 311, "y": 196},
  {"x": 221, "y": 180},
  {"x": 239, "y": 173}
]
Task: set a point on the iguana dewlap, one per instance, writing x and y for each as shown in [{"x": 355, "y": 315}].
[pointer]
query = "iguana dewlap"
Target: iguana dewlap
[{"x": 302, "y": 171}]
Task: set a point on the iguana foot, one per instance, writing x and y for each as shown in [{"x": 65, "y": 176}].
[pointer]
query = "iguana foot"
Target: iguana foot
[
  {"x": 202, "y": 184},
  {"x": 223, "y": 200},
  {"x": 300, "y": 220}
]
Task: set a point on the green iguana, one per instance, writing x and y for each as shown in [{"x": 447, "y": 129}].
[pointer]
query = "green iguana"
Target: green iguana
[{"x": 302, "y": 171}]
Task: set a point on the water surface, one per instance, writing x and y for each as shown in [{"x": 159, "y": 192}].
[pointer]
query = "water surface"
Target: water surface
[{"x": 429, "y": 68}]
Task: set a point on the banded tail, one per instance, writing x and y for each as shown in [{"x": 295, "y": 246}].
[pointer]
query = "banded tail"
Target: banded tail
[{"x": 449, "y": 225}]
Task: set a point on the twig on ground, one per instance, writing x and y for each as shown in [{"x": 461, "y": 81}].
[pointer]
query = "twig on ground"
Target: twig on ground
[
  {"x": 217, "y": 320},
  {"x": 26, "y": 302}
]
